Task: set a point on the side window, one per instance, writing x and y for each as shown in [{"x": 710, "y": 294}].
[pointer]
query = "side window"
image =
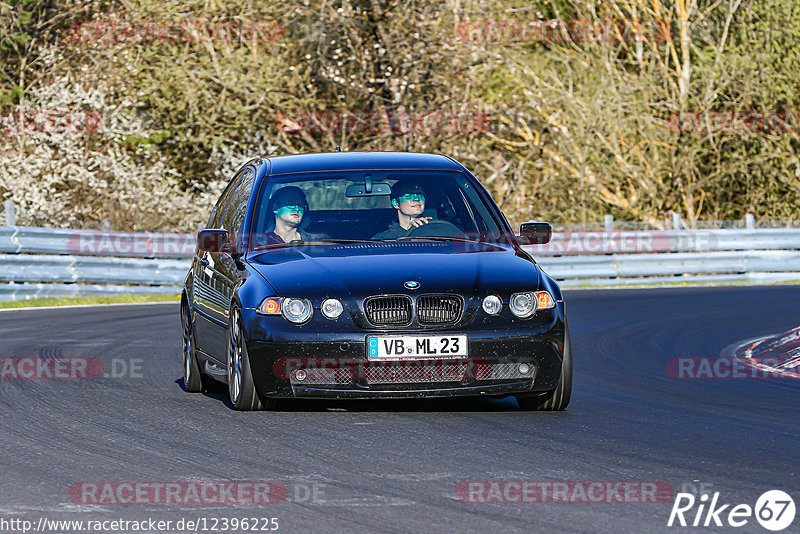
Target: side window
[
  {"x": 237, "y": 207},
  {"x": 219, "y": 209}
]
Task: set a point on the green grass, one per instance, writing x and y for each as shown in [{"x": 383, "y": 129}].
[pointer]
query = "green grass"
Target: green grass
[{"x": 110, "y": 299}]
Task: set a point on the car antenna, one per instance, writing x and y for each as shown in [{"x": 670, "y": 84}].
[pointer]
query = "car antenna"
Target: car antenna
[{"x": 338, "y": 148}]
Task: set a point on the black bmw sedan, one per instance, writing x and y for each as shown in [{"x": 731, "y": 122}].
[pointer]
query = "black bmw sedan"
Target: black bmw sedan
[{"x": 370, "y": 275}]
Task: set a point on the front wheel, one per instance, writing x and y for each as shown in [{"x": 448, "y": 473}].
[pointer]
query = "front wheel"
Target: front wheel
[
  {"x": 241, "y": 389},
  {"x": 559, "y": 398},
  {"x": 193, "y": 379}
]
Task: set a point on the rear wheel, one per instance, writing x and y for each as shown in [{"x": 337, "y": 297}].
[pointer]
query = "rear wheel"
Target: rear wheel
[
  {"x": 193, "y": 379},
  {"x": 241, "y": 388},
  {"x": 559, "y": 398}
]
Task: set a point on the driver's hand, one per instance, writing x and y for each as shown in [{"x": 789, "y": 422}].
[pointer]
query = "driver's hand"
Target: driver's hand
[{"x": 416, "y": 223}]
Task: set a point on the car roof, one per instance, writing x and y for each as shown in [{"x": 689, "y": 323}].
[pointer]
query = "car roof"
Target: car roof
[{"x": 341, "y": 161}]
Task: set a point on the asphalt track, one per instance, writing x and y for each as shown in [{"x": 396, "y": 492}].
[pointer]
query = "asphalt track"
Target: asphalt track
[{"x": 395, "y": 466}]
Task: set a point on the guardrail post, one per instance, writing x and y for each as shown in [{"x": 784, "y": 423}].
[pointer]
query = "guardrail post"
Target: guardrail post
[
  {"x": 608, "y": 222},
  {"x": 749, "y": 221},
  {"x": 11, "y": 213},
  {"x": 676, "y": 221}
]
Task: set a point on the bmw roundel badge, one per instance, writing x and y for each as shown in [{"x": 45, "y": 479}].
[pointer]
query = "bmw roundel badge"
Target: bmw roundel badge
[{"x": 412, "y": 284}]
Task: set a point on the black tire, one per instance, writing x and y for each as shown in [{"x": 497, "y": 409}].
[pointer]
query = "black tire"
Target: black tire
[
  {"x": 194, "y": 381},
  {"x": 559, "y": 398},
  {"x": 241, "y": 389}
]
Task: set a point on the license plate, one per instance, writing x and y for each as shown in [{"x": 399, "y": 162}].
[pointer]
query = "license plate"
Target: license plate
[{"x": 416, "y": 347}]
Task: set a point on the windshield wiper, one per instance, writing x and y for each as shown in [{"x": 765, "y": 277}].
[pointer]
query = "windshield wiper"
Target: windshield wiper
[
  {"x": 437, "y": 238},
  {"x": 317, "y": 241},
  {"x": 329, "y": 241}
]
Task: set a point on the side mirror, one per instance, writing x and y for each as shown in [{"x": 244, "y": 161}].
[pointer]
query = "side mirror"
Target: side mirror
[
  {"x": 535, "y": 233},
  {"x": 213, "y": 240}
]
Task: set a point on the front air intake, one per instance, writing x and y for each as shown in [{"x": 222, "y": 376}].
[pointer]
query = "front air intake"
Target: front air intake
[
  {"x": 439, "y": 309},
  {"x": 388, "y": 311}
]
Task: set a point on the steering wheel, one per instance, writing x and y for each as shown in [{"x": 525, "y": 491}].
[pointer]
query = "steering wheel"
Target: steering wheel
[{"x": 436, "y": 228}]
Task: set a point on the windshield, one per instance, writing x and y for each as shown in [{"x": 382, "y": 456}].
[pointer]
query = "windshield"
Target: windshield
[{"x": 367, "y": 206}]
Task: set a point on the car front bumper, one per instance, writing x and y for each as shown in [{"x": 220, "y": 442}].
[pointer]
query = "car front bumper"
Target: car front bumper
[{"x": 287, "y": 362}]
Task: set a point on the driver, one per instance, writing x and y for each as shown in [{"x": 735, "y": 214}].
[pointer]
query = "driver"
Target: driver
[
  {"x": 289, "y": 205},
  {"x": 408, "y": 198}
]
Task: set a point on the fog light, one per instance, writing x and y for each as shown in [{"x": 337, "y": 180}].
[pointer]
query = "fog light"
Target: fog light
[
  {"x": 524, "y": 368},
  {"x": 300, "y": 375},
  {"x": 332, "y": 308},
  {"x": 492, "y": 305}
]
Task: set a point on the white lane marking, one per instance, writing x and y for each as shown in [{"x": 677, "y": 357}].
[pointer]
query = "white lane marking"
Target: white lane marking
[
  {"x": 63, "y": 507},
  {"x": 375, "y": 500},
  {"x": 414, "y": 477},
  {"x": 73, "y": 306}
]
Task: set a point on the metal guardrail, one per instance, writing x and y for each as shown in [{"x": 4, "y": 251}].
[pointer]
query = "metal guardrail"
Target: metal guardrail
[
  {"x": 616, "y": 265},
  {"x": 53, "y": 262},
  {"x": 642, "y": 242},
  {"x": 32, "y": 240},
  {"x": 38, "y": 291},
  {"x": 617, "y": 269},
  {"x": 59, "y": 262},
  {"x": 91, "y": 269}
]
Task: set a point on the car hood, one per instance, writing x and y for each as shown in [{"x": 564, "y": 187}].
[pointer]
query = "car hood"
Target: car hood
[{"x": 361, "y": 270}]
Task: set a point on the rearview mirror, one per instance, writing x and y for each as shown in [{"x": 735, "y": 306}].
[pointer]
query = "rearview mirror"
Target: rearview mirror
[
  {"x": 368, "y": 189},
  {"x": 535, "y": 233},
  {"x": 360, "y": 190},
  {"x": 213, "y": 240}
]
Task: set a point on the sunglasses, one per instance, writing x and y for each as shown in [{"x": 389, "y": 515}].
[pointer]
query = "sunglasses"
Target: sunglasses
[
  {"x": 411, "y": 197},
  {"x": 290, "y": 209}
]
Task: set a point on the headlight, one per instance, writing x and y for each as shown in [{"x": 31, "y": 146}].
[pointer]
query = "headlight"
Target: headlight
[
  {"x": 492, "y": 305},
  {"x": 523, "y": 305},
  {"x": 332, "y": 308},
  {"x": 297, "y": 310},
  {"x": 270, "y": 306}
]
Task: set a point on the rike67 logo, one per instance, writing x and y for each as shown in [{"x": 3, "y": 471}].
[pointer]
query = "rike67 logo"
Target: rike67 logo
[{"x": 774, "y": 510}]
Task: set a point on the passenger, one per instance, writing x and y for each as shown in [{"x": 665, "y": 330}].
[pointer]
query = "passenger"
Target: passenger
[
  {"x": 408, "y": 198},
  {"x": 289, "y": 205}
]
